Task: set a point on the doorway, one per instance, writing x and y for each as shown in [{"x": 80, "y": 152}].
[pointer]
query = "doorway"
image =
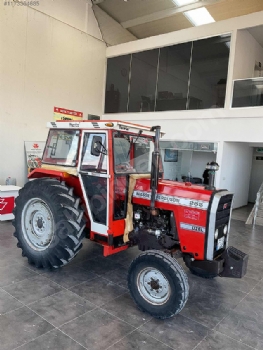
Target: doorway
[{"x": 256, "y": 177}]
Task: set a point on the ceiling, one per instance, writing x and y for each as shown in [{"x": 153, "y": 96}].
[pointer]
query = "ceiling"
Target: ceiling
[{"x": 144, "y": 18}]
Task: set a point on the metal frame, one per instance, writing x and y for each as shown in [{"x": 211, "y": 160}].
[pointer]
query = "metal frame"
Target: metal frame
[{"x": 95, "y": 226}]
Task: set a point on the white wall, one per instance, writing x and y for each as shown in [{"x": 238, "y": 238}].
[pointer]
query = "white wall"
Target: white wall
[
  {"x": 235, "y": 170},
  {"x": 256, "y": 177},
  {"x": 76, "y": 13},
  {"x": 211, "y": 125},
  {"x": 248, "y": 50},
  {"x": 43, "y": 63}
]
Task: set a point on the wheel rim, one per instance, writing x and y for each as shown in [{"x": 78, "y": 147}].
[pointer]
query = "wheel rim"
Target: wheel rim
[
  {"x": 38, "y": 224},
  {"x": 153, "y": 286}
]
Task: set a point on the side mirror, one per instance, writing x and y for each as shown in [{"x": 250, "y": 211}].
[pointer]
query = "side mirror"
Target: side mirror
[{"x": 96, "y": 146}]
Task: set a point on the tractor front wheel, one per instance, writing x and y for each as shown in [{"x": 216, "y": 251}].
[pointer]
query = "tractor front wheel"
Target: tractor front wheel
[
  {"x": 158, "y": 284},
  {"x": 48, "y": 223}
]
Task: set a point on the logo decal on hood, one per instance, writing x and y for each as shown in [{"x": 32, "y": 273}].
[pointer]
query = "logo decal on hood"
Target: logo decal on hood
[{"x": 174, "y": 200}]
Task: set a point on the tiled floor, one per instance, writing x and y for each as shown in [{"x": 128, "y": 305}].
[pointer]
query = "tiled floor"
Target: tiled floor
[
  {"x": 86, "y": 304},
  {"x": 243, "y": 212}
]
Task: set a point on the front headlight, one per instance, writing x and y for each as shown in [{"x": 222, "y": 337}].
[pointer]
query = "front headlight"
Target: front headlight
[
  {"x": 216, "y": 233},
  {"x": 225, "y": 229}
]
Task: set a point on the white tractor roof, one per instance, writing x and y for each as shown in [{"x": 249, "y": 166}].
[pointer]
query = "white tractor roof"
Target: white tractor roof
[{"x": 101, "y": 124}]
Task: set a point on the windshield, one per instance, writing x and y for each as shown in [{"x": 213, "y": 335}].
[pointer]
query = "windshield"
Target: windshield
[
  {"x": 61, "y": 147},
  {"x": 132, "y": 153}
]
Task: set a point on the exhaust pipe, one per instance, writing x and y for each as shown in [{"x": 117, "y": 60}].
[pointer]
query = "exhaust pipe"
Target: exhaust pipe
[
  {"x": 212, "y": 167},
  {"x": 155, "y": 167}
]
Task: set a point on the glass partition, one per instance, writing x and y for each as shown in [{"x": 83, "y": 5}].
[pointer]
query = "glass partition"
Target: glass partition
[
  {"x": 116, "y": 95},
  {"x": 187, "y": 160},
  {"x": 248, "y": 93},
  {"x": 191, "y": 75},
  {"x": 209, "y": 72},
  {"x": 173, "y": 77},
  {"x": 143, "y": 81}
]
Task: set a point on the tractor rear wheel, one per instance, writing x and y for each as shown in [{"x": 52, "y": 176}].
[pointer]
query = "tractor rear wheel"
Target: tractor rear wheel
[
  {"x": 158, "y": 284},
  {"x": 48, "y": 223}
]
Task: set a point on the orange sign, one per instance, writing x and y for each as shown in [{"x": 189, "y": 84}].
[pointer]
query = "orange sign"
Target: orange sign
[{"x": 67, "y": 114}]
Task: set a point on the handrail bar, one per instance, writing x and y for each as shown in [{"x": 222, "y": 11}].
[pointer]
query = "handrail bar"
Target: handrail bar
[{"x": 258, "y": 202}]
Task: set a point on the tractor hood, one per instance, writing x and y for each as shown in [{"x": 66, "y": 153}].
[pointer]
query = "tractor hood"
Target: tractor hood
[{"x": 172, "y": 193}]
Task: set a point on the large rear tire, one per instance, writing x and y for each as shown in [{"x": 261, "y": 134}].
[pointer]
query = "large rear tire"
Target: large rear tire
[
  {"x": 158, "y": 284},
  {"x": 49, "y": 224}
]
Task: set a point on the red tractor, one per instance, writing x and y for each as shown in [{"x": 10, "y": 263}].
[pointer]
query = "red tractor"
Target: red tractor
[{"x": 104, "y": 180}]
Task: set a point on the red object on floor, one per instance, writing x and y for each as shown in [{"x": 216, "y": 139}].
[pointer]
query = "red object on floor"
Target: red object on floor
[
  {"x": 8, "y": 193},
  {"x": 7, "y": 205}
]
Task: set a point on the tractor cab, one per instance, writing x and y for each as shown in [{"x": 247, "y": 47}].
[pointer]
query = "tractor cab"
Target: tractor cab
[{"x": 104, "y": 156}]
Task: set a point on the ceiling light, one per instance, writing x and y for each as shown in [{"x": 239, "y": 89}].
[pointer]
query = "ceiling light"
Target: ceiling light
[
  {"x": 184, "y": 2},
  {"x": 199, "y": 16}
]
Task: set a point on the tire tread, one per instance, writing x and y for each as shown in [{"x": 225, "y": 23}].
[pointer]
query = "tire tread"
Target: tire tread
[
  {"x": 177, "y": 269},
  {"x": 67, "y": 211}
]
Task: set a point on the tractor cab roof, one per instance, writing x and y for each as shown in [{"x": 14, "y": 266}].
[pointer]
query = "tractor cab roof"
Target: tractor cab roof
[{"x": 101, "y": 124}]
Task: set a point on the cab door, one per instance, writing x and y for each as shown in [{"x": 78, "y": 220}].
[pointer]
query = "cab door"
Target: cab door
[{"x": 94, "y": 178}]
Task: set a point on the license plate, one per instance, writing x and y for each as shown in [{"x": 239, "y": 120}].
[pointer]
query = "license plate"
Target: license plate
[{"x": 220, "y": 243}]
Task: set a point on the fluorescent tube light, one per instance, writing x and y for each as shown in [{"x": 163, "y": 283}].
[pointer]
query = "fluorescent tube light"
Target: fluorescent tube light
[
  {"x": 184, "y": 2},
  {"x": 199, "y": 16}
]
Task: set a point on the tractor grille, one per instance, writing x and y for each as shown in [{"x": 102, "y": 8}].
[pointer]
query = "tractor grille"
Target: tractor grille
[{"x": 222, "y": 219}]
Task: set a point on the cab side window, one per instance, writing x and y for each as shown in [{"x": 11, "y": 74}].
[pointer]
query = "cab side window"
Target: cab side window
[{"x": 94, "y": 154}]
